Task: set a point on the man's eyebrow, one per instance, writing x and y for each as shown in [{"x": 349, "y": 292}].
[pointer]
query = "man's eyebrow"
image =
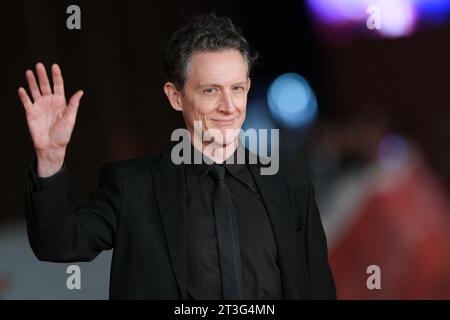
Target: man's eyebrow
[{"x": 240, "y": 83}]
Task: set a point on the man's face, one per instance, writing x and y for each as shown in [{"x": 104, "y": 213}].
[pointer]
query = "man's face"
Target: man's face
[{"x": 215, "y": 93}]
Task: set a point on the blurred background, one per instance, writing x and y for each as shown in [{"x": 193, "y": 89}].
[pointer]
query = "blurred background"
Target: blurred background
[{"x": 358, "y": 88}]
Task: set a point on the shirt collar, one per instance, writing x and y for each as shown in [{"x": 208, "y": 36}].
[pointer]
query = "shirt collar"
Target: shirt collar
[{"x": 195, "y": 172}]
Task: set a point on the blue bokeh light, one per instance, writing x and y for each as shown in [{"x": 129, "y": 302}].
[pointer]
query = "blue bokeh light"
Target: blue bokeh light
[{"x": 291, "y": 101}]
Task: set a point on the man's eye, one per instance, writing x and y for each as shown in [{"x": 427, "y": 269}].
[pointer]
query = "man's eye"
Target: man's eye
[
  {"x": 209, "y": 90},
  {"x": 238, "y": 88}
]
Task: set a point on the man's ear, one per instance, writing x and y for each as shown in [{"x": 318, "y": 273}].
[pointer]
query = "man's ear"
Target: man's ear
[
  {"x": 173, "y": 95},
  {"x": 249, "y": 82}
]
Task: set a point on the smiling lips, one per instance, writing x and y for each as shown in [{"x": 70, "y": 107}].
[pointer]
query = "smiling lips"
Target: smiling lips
[{"x": 223, "y": 122}]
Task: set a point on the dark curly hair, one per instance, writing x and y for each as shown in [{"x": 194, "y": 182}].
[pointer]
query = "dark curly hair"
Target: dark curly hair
[{"x": 202, "y": 33}]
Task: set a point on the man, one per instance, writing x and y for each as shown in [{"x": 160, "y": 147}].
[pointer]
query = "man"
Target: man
[{"x": 187, "y": 231}]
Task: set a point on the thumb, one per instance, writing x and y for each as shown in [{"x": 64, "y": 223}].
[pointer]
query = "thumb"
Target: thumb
[{"x": 74, "y": 103}]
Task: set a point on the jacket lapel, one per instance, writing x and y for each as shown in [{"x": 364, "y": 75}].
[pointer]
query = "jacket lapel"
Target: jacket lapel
[
  {"x": 282, "y": 218},
  {"x": 169, "y": 183}
]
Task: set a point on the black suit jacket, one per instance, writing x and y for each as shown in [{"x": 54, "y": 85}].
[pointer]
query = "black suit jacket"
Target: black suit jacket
[{"x": 138, "y": 209}]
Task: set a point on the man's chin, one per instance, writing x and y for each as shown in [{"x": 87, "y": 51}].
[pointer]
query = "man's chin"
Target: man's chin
[{"x": 221, "y": 135}]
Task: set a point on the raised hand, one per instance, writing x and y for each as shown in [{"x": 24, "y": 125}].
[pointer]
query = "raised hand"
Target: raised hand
[{"x": 50, "y": 119}]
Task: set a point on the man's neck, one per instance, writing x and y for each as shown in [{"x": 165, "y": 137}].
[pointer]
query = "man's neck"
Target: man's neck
[{"x": 219, "y": 153}]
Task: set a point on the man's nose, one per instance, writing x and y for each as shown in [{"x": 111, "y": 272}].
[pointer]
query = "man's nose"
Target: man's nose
[{"x": 226, "y": 103}]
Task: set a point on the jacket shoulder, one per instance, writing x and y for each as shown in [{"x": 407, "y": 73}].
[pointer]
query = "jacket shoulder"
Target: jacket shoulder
[{"x": 295, "y": 181}]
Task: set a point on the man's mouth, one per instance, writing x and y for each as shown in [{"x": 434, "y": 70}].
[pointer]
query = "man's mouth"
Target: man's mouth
[{"x": 224, "y": 121}]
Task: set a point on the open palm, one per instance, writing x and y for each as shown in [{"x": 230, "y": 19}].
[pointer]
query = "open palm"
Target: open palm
[{"x": 50, "y": 119}]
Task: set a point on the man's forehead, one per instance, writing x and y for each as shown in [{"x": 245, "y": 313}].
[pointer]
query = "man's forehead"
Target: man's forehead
[
  {"x": 230, "y": 60},
  {"x": 218, "y": 68}
]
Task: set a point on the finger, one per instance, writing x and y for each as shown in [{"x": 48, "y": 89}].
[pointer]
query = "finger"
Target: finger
[
  {"x": 24, "y": 98},
  {"x": 74, "y": 103},
  {"x": 58, "y": 83},
  {"x": 34, "y": 89},
  {"x": 44, "y": 84}
]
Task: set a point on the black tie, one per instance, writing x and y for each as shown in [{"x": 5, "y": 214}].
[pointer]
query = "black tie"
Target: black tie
[{"x": 227, "y": 237}]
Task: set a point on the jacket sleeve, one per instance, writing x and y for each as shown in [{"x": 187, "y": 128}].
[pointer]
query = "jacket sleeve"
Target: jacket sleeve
[
  {"x": 59, "y": 232},
  {"x": 320, "y": 278}
]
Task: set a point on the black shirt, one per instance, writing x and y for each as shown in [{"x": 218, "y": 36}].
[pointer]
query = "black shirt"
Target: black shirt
[{"x": 260, "y": 271}]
